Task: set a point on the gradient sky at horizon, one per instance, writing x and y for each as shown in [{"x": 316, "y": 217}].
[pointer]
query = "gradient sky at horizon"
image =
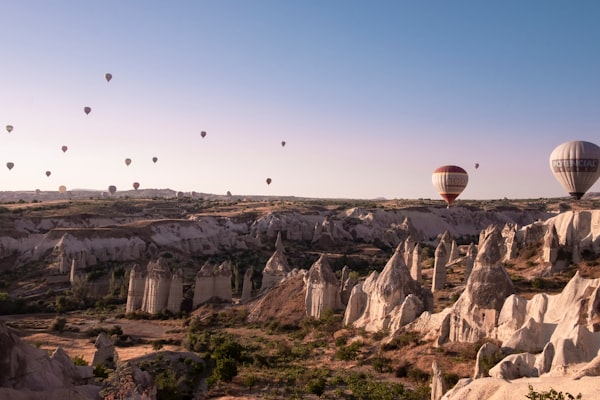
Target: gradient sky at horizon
[{"x": 370, "y": 96}]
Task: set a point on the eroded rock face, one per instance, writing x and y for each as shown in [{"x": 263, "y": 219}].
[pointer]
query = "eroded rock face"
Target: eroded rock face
[
  {"x": 475, "y": 313},
  {"x": 385, "y": 295},
  {"x": 277, "y": 267},
  {"x": 322, "y": 289},
  {"x": 31, "y": 373}
]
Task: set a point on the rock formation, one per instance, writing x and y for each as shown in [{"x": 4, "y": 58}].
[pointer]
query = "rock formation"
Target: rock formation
[
  {"x": 156, "y": 289},
  {"x": 247, "y": 285},
  {"x": 438, "y": 385},
  {"x": 213, "y": 282},
  {"x": 175, "y": 292},
  {"x": 276, "y": 268},
  {"x": 322, "y": 289},
  {"x": 415, "y": 267},
  {"x": 439, "y": 268},
  {"x": 135, "y": 293},
  {"x": 386, "y": 295},
  {"x": 105, "y": 351}
]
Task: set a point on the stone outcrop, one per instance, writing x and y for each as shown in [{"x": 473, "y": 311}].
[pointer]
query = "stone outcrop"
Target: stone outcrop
[
  {"x": 386, "y": 295},
  {"x": 439, "y": 268},
  {"x": 175, "y": 292},
  {"x": 322, "y": 289},
  {"x": 475, "y": 313},
  {"x": 29, "y": 373},
  {"x": 156, "y": 289},
  {"x": 277, "y": 267},
  {"x": 438, "y": 385},
  {"x": 247, "y": 285},
  {"x": 105, "y": 351},
  {"x": 415, "y": 267},
  {"x": 135, "y": 293},
  {"x": 213, "y": 282}
]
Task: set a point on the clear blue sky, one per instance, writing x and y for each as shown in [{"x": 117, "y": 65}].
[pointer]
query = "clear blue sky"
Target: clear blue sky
[{"x": 370, "y": 96}]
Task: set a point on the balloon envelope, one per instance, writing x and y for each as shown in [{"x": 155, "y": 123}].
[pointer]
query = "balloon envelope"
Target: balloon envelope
[
  {"x": 64, "y": 149},
  {"x": 108, "y": 77},
  {"x": 476, "y": 165},
  {"x": 136, "y": 185},
  {"x": 269, "y": 181},
  {"x": 203, "y": 134},
  {"x": 48, "y": 173},
  {"x": 450, "y": 181},
  {"x": 127, "y": 161},
  {"x": 154, "y": 159},
  {"x": 9, "y": 128},
  {"x": 283, "y": 143},
  {"x": 112, "y": 189},
  {"x": 575, "y": 166},
  {"x": 10, "y": 165},
  {"x": 87, "y": 110},
  {"x": 62, "y": 188}
]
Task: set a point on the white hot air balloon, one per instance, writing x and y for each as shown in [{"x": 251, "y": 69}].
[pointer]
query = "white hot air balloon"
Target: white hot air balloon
[
  {"x": 576, "y": 165},
  {"x": 450, "y": 181}
]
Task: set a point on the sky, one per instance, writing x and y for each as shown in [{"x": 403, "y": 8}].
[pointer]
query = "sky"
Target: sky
[{"x": 369, "y": 96}]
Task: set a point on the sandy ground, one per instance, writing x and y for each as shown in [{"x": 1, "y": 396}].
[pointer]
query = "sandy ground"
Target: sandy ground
[{"x": 33, "y": 330}]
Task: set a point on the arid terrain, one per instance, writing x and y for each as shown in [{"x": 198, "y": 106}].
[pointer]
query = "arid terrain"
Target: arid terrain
[{"x": 281, "y": 352}]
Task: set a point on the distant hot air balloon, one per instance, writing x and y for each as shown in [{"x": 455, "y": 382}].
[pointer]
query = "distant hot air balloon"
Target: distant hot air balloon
[
  {"x": 10, "y": 165},
  {"x": 283, "y": 143},
  {"x": 87, "y": 110},
  {"x": 62, "y": 188},
  {"x": 576, "y": 165},
  {"x": 48, "y": 173},
  {"x": 180, "y": 195},
  {"x": 450, "y": 181},
  {"x": 154, "y": 159},
  {"x": 108, "y": 77},
  {"x": 203, "y": 134},
  {"x": 136, "y": 185},
  {"x": 9, "y": 128},
  {"x": 269, "y": 181},
  {"x": 112, "y": 189},
  {"x": 64, "y": 149},
  {"x": 476, "y": 165},
  {"x": 127, "y": 161}
]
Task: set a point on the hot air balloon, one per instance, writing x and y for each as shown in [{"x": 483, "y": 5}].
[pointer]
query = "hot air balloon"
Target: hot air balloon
[
  {"x": 154, "y": 159},
  {"x": 64, "y": 149},
  {"x": 203, "y": 134},
  {"x": 87, "y": 110},
  {"x": 180, "y": 195},
  {"x": 108, "y": 77},
  {"x": 10, "y": 165},
  {"x": 136, "y": 185},
  {"x": 9, "y": 128},
  {"x": 450, "y": 181},
  {"x": 269, "y": 181},
  {"x": 48, "y": 173},
  {"x": 112, "y": 189},
  {"x": 576, "y": 165},
  {"x": 62, "y": 188},
  {"x": 127, "y": 161},
  {"x": 283, "y": 143},
  {"x": 476, "y": 165}
]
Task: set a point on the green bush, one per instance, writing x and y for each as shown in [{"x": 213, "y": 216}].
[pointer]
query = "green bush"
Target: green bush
[
  {"x": 58, "y": 324},
  {"x": 225, "y": 370},
  {"x": 348, "y": 353}
]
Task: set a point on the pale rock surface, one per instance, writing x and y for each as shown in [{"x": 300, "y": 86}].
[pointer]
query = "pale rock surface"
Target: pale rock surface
[
  {"x": 156, "y": 288},
  {"x": 322, "y": 289},
  {"x": 515, "y": 366},
  {"x": 105, "y": 351},
  {"x": 486, "y": 353},
  {"x": 175, "y": 292},
  {"x": 475, "y": 313},
  {"x": 415, "y": 267},
  {"x": 386, "y": 293},
  {"x": 135, "y": 292},
  {"x": 439, "y": 267},
  {"x": 438, "y": 385},
  {"x": 277, "y": 267},
  {"x": 356, "y": 304},
  {"x": 470, "y": 259},
  {"x": 247, "y": 285}
]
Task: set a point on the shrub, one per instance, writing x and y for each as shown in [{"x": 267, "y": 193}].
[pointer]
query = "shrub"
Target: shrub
[
  {"x": 225, "y": 370},
  {"x": 58, "y": 324},
  {"x": 550, "y": 395},
  {"x": 316, "y": 386},
  {"x": 347, "y": 353},
  {"x": 79, "y": 361}
]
